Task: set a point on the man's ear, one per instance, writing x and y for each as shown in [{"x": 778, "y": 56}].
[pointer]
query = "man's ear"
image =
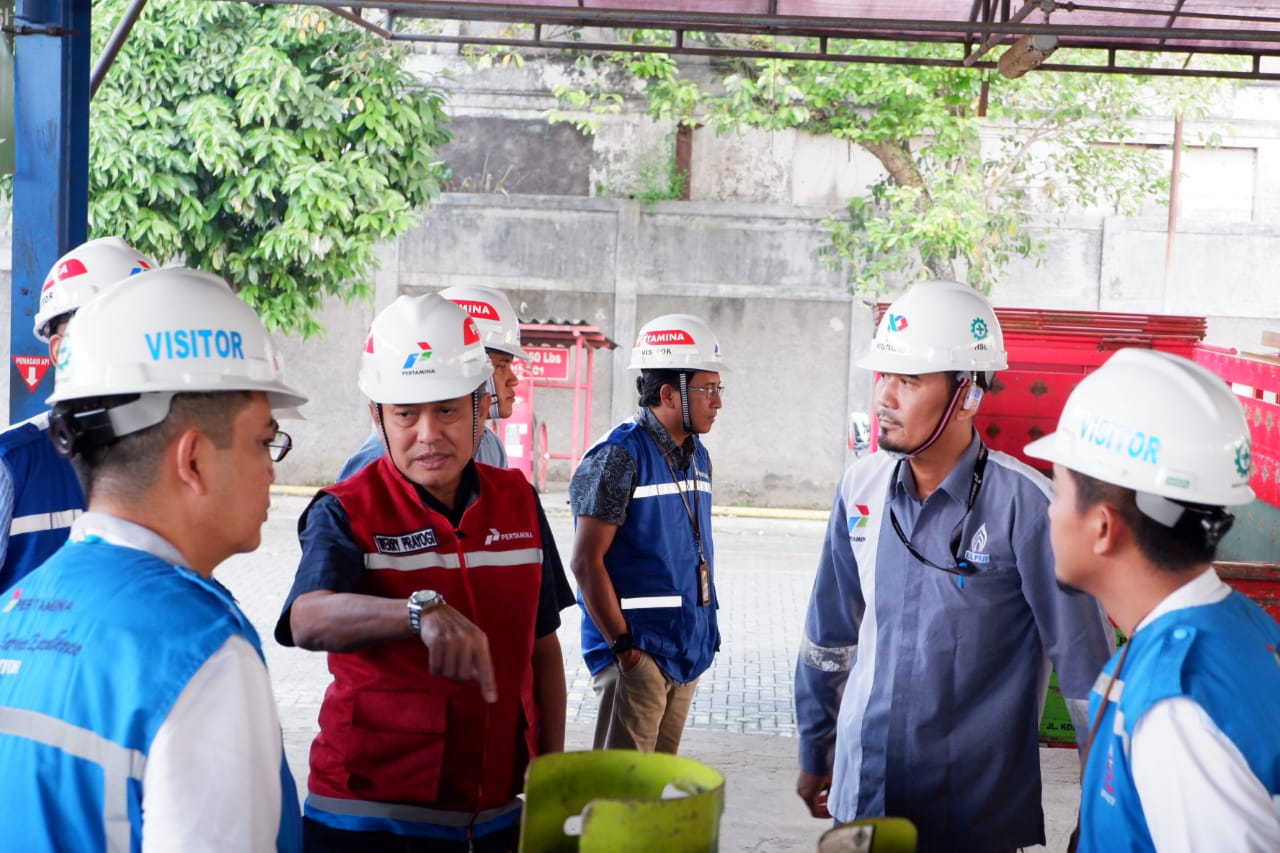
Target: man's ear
[
  {"x": 1107, "y": 529},
  {"x": 55, "y": 346},
  {"x": 188, "y": 454}
]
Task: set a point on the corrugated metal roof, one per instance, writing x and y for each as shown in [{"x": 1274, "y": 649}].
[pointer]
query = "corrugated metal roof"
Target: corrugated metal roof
[{"x": 1248, "y": 28}]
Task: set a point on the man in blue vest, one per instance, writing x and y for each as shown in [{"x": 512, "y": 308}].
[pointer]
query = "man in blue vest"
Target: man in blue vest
[
  {"x": 643, "y": 554},
  {"x": 39, "y": 493},
  {"x": 434, "y": 584},
  {"x": 1182, "y": 753},
  {"x": 135, "y": 706},
  {"x": 500, "y": 331}
]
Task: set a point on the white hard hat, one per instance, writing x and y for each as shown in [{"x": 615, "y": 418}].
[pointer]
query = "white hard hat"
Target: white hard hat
[
  {"x": 676, "y": 342},
  {"x": 81, "y": 274},
  {"x": 1155, "y": 423},
  {"x": 169, "y": 330},
  {"x": 422, "y": 349},
  {"x": 937, "y": 327},
  {"x": 492, "y": 311}
]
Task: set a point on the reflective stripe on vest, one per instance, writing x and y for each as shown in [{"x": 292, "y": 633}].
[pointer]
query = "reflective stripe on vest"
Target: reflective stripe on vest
[
  {"x": 440, "y": 560},
  {"x": 401, "y": 811},
  {"x": 658, "y": 489},
  {"x": 43, "y": 521},
  {"x": 649, "y": 602},
  {"x": 119, "y": 764}
]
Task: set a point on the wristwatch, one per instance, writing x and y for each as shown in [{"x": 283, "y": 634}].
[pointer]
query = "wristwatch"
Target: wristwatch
[
  {"x": 624, "y": 642},
  {"x": 420, "y": 602}
]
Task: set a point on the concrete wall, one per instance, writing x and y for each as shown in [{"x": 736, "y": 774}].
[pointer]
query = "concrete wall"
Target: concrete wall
[{"x": 787, "y": 325}]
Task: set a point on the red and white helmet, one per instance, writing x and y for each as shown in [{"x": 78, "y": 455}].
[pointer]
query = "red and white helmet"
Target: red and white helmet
[
  {"x": 492, "y": 311},
  {"x": 81, "y": 274},
  {"x": 422, "y": 349},
  {"x": 677, "y": 342}
]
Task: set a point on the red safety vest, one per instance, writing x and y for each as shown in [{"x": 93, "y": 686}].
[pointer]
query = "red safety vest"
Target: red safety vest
[{"x": 389, "y": 731}]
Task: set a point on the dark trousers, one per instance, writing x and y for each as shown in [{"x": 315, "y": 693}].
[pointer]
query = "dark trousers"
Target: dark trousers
[{"x": 318, "y": 838}]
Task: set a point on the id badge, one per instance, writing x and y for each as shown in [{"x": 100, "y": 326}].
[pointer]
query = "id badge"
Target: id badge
[{"x": 704, "y": 583}]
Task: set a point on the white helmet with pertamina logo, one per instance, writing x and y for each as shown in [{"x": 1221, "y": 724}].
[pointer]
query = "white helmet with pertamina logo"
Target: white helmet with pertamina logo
[
  {"x": 422, "y": 349},
  {"x": 677, "y": 342}
]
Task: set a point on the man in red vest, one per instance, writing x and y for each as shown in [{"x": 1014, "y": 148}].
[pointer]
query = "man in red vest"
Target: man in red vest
[{"x": 435, "y": 586}]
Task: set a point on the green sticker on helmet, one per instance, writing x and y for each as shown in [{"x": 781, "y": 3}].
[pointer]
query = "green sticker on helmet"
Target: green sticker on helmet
[
  {"x": 1244, "y": 456},
  {"x": 979, "y": 328}
]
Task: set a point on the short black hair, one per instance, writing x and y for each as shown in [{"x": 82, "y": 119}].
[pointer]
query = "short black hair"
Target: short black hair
[
  {"x": 649, "y": 385},
  {"x": 128, "y": 466},
  {"x": 1168, "y": 548}
]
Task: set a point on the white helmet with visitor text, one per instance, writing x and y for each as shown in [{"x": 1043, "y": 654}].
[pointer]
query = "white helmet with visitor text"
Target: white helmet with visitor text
[
  {"x": 422, "y": 349},
  {"x": 938, "y": 327},
  {"x": 162, "y": 332},
  {"x": 677, "y": 342},
  {"x": 83, "y": 273},
  {"x": 1158, "y": 424},
  {"x": 492, "y": 311}
]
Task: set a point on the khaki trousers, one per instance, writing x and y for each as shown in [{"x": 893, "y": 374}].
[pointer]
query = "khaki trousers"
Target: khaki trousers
[{"x": 641, "y": 708}]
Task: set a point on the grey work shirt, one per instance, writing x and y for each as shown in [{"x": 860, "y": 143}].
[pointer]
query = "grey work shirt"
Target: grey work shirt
[{"x": 922, "y": 692}]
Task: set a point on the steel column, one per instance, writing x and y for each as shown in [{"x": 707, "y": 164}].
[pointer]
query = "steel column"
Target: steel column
[{"x": 51, "y": 183}]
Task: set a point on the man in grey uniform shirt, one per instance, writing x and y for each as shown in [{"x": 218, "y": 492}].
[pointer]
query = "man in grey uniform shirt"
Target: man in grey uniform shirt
[{"x": 935, "y": 613}]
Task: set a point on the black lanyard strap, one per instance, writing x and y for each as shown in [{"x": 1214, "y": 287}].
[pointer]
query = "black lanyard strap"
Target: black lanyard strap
[
  {"x": 961, "y": 567},
  {"x": 694, "y": 519}
]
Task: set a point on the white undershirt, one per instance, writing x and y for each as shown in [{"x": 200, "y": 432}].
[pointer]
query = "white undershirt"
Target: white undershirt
[
  {"x": 1196, "y": 788},
  {"x": 212, "y": 780}
]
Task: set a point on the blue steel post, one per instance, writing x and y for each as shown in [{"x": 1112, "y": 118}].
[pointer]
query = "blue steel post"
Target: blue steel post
[{"x": 51, "y": 184}]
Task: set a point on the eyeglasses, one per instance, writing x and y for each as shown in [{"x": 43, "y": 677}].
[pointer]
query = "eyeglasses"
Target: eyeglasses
[
  {"x": 280, "y": 446},
  {"x": 716, "y": 391}
]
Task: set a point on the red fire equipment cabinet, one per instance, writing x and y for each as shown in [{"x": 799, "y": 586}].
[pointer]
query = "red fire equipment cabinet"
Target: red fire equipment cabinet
[{"x": 561, "y": 355}]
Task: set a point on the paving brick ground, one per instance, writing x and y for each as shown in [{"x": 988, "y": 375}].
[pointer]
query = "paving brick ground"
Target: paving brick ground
[{"x": 741, "y": 722}]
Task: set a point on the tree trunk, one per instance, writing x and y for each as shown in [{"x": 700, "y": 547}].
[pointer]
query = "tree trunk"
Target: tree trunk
[{"x": 901, "y": 166}]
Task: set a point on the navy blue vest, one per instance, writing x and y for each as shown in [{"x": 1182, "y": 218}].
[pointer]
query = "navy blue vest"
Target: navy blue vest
[
  {"x": 93, "y": 654},
  {"x": 653, "y": 562},
  {"x": 46, "y": 495},
  {"x": 1223, "y": 656}
]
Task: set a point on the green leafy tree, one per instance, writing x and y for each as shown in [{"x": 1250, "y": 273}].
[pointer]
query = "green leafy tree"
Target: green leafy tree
[
  {"x": 273, "y": 145},
  {"x": 969, "y": 157}
]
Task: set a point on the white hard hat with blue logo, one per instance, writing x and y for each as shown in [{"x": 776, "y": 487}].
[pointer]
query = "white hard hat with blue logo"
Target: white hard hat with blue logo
[
  {"x": 937, "y": 327},
  {"x": 167, "y": 331},
  {"x": 1158, "y": 424}
]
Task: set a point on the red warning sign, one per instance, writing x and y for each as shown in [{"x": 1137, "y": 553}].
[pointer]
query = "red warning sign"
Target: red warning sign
[{"x": 32, "y": 369}]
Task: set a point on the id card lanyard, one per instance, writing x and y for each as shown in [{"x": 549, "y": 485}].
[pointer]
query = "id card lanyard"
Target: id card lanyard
[{"x": 704, "y": 570}]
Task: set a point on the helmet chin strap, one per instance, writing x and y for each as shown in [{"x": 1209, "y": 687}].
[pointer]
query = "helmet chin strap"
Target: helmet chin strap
[
  {"x": 492, "y": 387},
  {"x": 961, "y": 389},
  {"x": 684, "y": 403}
]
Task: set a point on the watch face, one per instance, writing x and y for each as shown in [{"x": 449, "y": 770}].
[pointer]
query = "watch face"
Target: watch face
[{"x": 425, "y": 597}]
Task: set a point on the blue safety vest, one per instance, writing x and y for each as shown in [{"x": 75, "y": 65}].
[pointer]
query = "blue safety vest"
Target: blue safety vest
[
  {"x": 653, "y": 562},
  {"x": 47, "y": 498},
  {"x": 94, "y": 651},
  {"x": 1226, "y": 658}
]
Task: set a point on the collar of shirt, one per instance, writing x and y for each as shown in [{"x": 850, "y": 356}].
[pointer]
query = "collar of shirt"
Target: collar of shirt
[
  {"x": 468, "y": 493},
  {"x": 956, "y": 484},
  {"x": 126, "y": 534},
  {"x": 1207, "y": 588},
  {"x": 678, "y": 455}
]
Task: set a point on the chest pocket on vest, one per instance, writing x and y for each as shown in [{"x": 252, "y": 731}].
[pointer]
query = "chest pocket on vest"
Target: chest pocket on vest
[{"x": 397, "y": 745}]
